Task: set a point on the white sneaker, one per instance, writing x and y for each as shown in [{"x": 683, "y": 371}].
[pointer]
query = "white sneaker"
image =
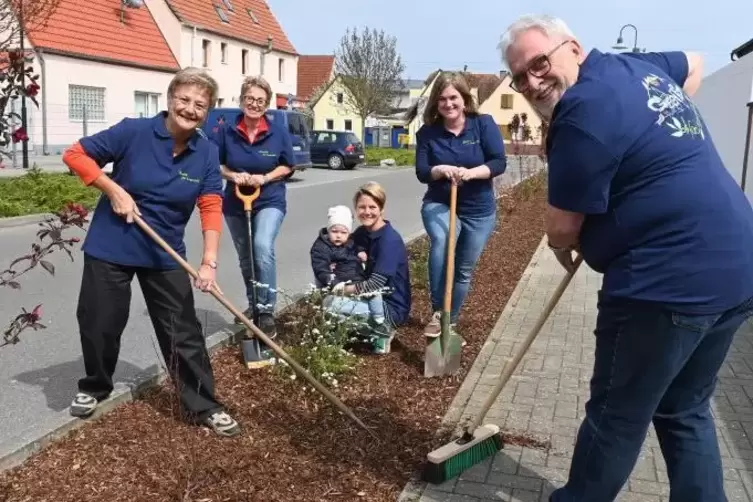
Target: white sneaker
[{"x": 223, "y": 424}]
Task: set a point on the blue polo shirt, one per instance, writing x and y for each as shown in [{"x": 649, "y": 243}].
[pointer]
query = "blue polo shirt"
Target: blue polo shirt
[
  {"x": 480, "y": 143},
  {"x": 165, "y": 188},
  {"x": 270, "y": 149},
  {"x": 388, "y": 256},
  {"x": 665, "y": 221}
]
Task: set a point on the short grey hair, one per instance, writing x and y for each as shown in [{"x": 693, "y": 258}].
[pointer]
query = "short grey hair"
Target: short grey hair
[
  {"x": 197, "y": 77},
  {"x": 553, "y": 27}
]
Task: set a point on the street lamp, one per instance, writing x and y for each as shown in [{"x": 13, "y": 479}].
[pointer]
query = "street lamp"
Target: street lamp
[{"x": 620, "y": 45}]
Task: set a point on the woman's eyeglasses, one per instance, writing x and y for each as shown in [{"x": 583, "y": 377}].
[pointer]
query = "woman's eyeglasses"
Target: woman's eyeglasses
[{"x": 250, "y": 100}]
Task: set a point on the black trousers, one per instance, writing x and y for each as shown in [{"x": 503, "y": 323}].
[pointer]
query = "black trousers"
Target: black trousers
[{"x": 103, "y": 310}]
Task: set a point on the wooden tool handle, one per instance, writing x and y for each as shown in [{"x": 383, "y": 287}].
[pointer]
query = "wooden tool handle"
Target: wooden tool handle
[
  {"x": 450, "y": 266},
  {"x": 247, "y": 199},
  {"x": 249, "y": 325},
  {"x": 511, "y": 366}
]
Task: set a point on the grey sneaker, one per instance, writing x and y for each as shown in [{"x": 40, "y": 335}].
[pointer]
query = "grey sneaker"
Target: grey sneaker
[
  {"x": 383, "y": 335},
  {"x": 267, "y": 325},
  {"x": 223, "y": 424},
  {"x": 434, "y": 327},
  {"x": 83, "y": 405}
]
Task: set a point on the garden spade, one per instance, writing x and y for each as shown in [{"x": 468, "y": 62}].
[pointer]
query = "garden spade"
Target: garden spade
[
  {"x": 443, "y": 353},
  {"x": 255, "y": 353}
]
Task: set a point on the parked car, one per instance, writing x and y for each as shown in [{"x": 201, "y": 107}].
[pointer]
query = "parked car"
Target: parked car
[
  {"x": 298, "y": 125},
  {"x": 336, "y": 149}
]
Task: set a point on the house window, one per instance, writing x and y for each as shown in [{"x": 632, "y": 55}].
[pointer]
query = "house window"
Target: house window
[
  {"x": 348, "y": 125},
  {"x": 220, "y": 102},
  {"x": 506, "y": 101},
  {"x": 281, "y": 70},
  {"x": 339, "y": 98},
  {"x": 252, "y": 16},
  {"x": 221, "y": 14},
  {"x": 244, "y": 61},
  {"x": 223, "y": 52},
  {"x": 86, "y": 101},
  {"x": 228, "y": 5},
  {"x": 330, "y": 124},
  {"x": 147, "y": 104},
  {"x": 206, "y": 49}
]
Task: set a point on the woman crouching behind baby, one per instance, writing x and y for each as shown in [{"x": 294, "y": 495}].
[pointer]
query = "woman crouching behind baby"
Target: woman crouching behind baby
[{"x": 366, "y": 270}]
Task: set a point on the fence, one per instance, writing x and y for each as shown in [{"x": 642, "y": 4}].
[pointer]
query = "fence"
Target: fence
[{"x": 54, "y": 129}]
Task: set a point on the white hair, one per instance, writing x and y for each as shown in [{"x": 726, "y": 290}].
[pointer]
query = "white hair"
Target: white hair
[{"x": 553, "y": 27}]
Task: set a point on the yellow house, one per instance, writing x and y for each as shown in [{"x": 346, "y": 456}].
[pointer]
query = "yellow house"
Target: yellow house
[
  {"x": 494, "y": 96},
  {"x": 321, "y": 91}
]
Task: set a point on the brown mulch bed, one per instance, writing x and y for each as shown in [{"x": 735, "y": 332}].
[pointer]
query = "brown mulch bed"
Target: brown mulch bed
[{"x": 296, "y": 446}]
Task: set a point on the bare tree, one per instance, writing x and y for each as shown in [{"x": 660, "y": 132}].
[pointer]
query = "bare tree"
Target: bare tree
[
  {"x": 370, "y": 68},
  {"x": 32, "y": 13}
]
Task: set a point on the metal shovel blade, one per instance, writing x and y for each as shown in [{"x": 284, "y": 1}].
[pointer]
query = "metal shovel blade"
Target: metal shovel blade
[
  {"x": 438, "y": 362},
  {"x": 256, "y": 354}
]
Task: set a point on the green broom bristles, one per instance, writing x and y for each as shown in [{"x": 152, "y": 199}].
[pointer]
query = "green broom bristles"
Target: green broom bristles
[{"x": 439, "y": 472}]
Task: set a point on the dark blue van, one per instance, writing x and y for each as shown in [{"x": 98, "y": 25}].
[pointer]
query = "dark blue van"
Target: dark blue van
[{"x": 298, "y": 125}]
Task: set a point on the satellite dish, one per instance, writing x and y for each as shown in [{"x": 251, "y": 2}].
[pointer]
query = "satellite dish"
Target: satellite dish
[{"x": 133, "y": 4}]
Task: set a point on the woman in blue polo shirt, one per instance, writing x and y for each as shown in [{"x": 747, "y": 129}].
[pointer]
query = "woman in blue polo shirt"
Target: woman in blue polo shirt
[
  {"x": 456, "y": 145},
  {"x": 387, "y": 266},
  {"x": 255, "y": 152},
  {"x": 162, "y": 169}
]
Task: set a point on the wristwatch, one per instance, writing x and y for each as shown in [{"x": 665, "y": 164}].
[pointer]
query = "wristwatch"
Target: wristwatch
[
  {"x": 211, "y": 264},
  {"x": 556, "y": 249}
]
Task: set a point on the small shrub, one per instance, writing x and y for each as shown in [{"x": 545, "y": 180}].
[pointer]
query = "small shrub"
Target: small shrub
[
  {"x": 418, "y": 261},
  {"x": 318, "y": 340}
]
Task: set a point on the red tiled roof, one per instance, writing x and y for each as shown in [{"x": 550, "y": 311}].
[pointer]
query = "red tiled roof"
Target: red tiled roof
[
  {"x": 313, "y": 71},
  {"x": 485, "y": 83},
  {"x": 241, "y": 25},
  {"x": 93, "y": 29}
]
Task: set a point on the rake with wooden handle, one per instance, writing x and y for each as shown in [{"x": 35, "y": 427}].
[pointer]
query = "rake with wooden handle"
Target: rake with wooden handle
[{"x": 250, "y": 326}]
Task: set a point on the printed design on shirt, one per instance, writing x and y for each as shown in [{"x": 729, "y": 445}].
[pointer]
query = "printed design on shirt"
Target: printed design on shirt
[
  {"x": 267, "y": 153},
  {"x": 675, "y": 111},
  {"x": 185, "y": 177},
  {"x": 471, "y": 142}
]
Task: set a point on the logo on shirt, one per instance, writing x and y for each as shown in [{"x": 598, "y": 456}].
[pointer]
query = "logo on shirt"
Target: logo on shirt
[
  {"x": 267, "y": 153},
  {"x": 675, "y": 111},
  {"x": 471, "y": 142},
  {"x": 185, "y": 177}
]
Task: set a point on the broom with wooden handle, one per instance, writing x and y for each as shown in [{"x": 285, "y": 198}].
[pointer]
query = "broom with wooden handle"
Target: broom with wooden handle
[
  {"x": 481, "y": 441},
  {"x": 250, "y": 326}
]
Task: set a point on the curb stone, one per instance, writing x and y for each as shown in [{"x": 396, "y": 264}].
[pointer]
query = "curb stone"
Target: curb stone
[
  {"x": 29, "y": 219},
  {"x": 17, "y": 450}
]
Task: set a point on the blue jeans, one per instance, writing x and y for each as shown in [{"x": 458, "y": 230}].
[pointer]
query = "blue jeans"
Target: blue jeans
[
  {"x": 372, "y": 307},
  {"x": 266, "y": 224},
  {"x": 471, "y": 237},
  {"x": 652, "y": 365}
]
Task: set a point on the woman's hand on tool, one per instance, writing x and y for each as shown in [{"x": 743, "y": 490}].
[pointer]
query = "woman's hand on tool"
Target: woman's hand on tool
[
  {"x": 123, "y": 204},
  {"x": 207, "y": 279},
  {"x": 451, "y": 173},
  {"x": 242, "y": 179},
  {"x": 566, "y": 259},
  {"x": 256, "y": 180}
]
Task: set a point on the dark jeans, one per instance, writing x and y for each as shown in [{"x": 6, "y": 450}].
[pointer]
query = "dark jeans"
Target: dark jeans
[
  {"x": 652, "y": 365},
  {"x": 103, "y": 309}
]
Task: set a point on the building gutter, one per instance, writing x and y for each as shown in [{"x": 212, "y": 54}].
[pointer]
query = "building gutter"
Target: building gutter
[
  {"x": 43, "y": 74},
  {"x": 748, "y": 139}
]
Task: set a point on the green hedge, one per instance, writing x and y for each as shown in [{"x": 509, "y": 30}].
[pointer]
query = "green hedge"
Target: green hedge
[
  {"x": 403, "y": 157},
  {"x": 37, "y": 192}
]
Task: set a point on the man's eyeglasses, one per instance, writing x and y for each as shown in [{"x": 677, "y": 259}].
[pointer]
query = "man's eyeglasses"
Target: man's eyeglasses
[{"x": 538, "y": 68}]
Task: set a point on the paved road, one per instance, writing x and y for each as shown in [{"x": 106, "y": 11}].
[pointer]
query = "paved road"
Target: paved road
[{"x": 38, "y": 376}]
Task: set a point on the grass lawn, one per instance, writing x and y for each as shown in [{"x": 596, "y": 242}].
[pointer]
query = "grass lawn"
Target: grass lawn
[
  {"x": 37, "y": 192},
  {"x": 403, "y": 157}
]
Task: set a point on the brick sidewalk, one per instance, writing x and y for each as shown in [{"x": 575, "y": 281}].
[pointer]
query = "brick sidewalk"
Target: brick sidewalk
[{"x": 547, "y": 394}]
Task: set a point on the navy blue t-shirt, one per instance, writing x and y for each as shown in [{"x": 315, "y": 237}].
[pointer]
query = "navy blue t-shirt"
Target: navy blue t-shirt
[
  {"x": 165, "y": 189},
  {"x": 269, "y": 150},
  {"x": 665, "y": 221},
  {"x": 480, "y": 143},
  {"x": 388, "y": 256}
]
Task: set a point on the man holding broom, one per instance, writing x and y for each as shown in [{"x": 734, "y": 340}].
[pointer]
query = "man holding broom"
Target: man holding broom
[{"x": 636, "y": 186}]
